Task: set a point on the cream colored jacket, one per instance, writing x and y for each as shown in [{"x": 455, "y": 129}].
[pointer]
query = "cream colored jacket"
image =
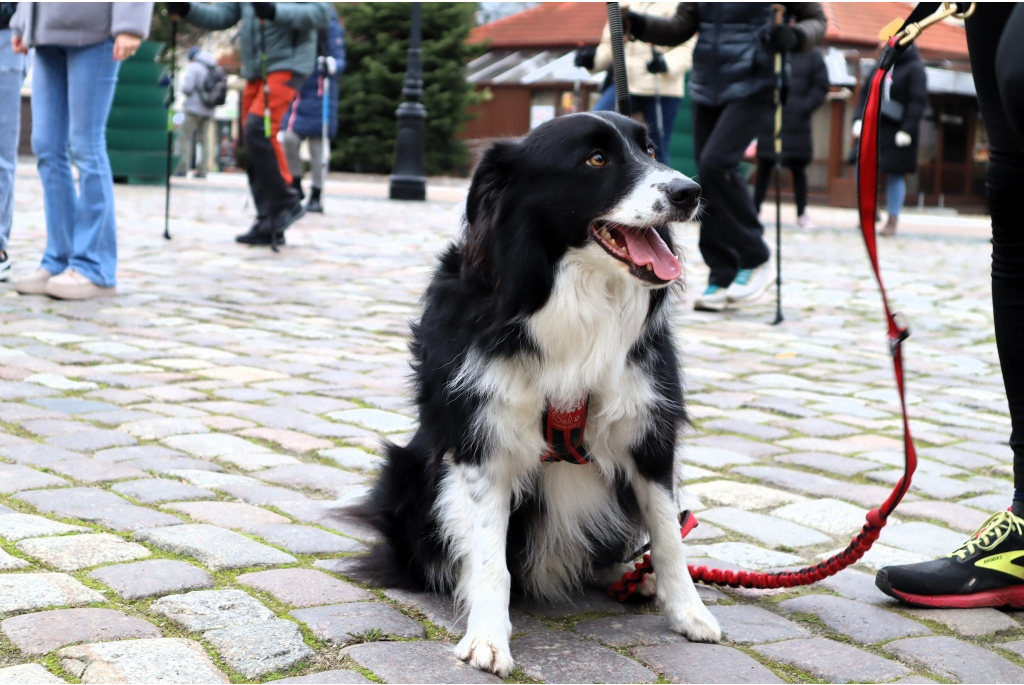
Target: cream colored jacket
[{"x": 641, "y": 81}]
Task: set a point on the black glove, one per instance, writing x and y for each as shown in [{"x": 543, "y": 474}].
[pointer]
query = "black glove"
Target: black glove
[
  {"x": 585, "y": 57},
  {"x": 178, "y": 8},
  {"x": 785, "y": 38},
  {"x": 264, "y": 10},
  {"x": 657, "y": 65},
  {"x": 634, "y": 24}
]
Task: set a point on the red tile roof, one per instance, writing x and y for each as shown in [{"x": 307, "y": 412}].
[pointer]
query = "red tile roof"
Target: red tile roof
[
  {"x": 548, "y": 25},
  {"x": 569, "y": 24}
]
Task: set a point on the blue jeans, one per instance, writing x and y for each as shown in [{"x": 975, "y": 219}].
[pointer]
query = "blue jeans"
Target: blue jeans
[
  {"x": 12, "y": 75},
  {"x": 72, "y": 91},
  {"x": 895, "y": 194},
  {"x": 646, "y": 105}
]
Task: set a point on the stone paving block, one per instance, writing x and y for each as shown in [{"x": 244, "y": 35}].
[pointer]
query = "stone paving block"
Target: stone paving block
[
  {"x": 35, "y": 454},
  {"x": 15, "y": 477},
  {"x": 20, "y": 526},
  {"x": 958, "y": 457},
  {"x": 834, "y": 662},
  {"x": 211, "y": 445},
  {"x": 922, "y": 538},
  {"x": 29, "y": 591},
  {"x": 987, "y": 503},
  {"x": 767, "y": 530},
  {"x": 262, "y": 495},
  {"x": 375, "y": 420},
  {"x": 241, "y": 374},
  {"x": 15, "y": 412},
  {"x": 820, "y": 486},
  {"x": 957, "y": 516},
  {"x": 968, "y": 622},
  {"x": 880, "y": 556},
  {"x": 96, "y": 506},
  {"x": 173, "y": 393},
  {"x": 352, "y": 458},
  {"x": 415, "y": 662},
  {"x": 92, "y": 440},
  {"x": 995, "y": 450},
  {"x": 591, "y": 600},
  {"x": 237, "y": 515},
  {"x": 1016, "y": 647},
  {"x": 163, "y": 660},
  {"x": 118, "y": 417},
  {"x": 156, "y": 428},
  {"x": 72, "y": 552},
  {"x": 554, "y": 656},
  {"x": 743, "y": 624},
  {"x": 326, "y": 677},
  {"x": 831, "y": 516},
  {"x": 313, "y": 476},
  {"x": 860, "y": 622},
  {"x": 213, "y": 480},
  {"x": 712, "y": 457},
  {"x": 135, "y": 452},
  {"x": 154, "y": 577},
  {"x": 751, "y": 448},
  {"x": 153, "y": 490},
  {"x": 302, "y": 587},
  {"x": 93, "y": 471},
  {"x": 314, "y": 404},
  {"x": 930, "y": 485},
  {"x": 820, "y": 428},
  {"x": 259, "y": 460},
  {"x": 692, "y": 662},
  {"x": 211, "y": 609},
  {"x": 754, "y": 430},
  {"x": 48, "y": 427},
  {"x": 18, "y": 390},
  {"x": 958, "y": 661},
  {"x": 339, "y": 623},
  {"x": 329, "y": 515},
  {"x": 743, "y": 495},
  {"x": 45, "y": 631},
  {"x": 9, "y": 562},
  {"x": 629, "y": 630},
  {"x": 833, "y": 463},
  {"x": 749, "y": 556},
  {"x": 293, "y": 441},
  {"x": 440, "y": 610},
  {"x": 117, "y": 396},
  {"x": 307, "y": 539},
  {"x": 216, "y": 548},
  {"x": 27, "y": 674},
  {"x": 258, "y": 648},
  {"x": 857, "y": 585}
]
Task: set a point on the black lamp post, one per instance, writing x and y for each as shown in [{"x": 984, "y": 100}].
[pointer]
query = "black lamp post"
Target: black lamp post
[{"x": 408, "y": 180}]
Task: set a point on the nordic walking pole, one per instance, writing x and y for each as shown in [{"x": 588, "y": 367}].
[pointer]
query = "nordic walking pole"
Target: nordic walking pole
[
  {"x": 622, "y": 104},
  {"x": 659, "y": 117},
  {"x": 170, "y": 127},
  {"x": 325, "y": 142},
  {"x": 779, "y": 10}
]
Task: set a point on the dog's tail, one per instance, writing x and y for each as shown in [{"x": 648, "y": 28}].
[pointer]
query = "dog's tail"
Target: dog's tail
[{"x": 400, "y": 507}]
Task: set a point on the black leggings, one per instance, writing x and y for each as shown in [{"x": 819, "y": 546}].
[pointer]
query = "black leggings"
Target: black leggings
[
  {"x": 997, "y": 60},
  {"x": 764, "y": 175}
]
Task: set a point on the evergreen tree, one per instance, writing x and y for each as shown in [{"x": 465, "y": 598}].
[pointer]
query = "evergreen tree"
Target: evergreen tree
[{"x": 376, "y": 42}]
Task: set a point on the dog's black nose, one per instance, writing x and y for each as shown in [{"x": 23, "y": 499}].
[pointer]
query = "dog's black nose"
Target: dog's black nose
[{"x": 683, "y": 193}]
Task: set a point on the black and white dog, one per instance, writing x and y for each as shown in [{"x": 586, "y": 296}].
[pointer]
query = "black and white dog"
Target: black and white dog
[{"x": 546, "y": 340}]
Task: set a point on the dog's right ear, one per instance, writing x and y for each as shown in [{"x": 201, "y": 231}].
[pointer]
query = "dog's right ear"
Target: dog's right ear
[{"x": 493, "y": 175}]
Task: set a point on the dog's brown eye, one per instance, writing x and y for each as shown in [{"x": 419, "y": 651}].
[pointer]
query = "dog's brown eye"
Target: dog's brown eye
[
  {"x": 596, "y": 159},
  {"x": 650, "y": 151}
]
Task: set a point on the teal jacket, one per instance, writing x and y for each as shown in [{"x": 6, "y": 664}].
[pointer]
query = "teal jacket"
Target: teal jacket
[{"x": 291, "y": 37}]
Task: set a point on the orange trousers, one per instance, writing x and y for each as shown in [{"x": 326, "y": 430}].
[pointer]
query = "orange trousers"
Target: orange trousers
[{"x": 282, "y": 93}]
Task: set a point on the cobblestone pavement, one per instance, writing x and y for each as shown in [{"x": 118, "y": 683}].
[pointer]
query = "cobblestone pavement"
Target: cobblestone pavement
[{"x": 171, "y": 458}]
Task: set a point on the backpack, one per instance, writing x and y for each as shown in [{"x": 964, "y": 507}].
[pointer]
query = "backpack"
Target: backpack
[{"x": 214, "y": 89}]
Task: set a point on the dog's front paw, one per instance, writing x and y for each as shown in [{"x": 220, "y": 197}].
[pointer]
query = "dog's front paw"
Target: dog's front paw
[
  {"x": 694, "y": 621},
  {"x": 486, "y": 653},
  {"x": 648, "y": 588}
]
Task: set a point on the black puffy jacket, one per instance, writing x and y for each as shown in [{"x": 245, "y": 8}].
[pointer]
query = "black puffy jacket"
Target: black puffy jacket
[
  {"x": 808, "y": 87},
  {"x": 731, "y": 60}
]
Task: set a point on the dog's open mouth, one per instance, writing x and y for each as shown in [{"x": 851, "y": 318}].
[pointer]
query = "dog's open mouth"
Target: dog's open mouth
[{"x": 647, "y": 255}]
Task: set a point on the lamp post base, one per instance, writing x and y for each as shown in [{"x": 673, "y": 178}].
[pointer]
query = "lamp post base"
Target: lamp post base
[{"x": 408, "y": 188}]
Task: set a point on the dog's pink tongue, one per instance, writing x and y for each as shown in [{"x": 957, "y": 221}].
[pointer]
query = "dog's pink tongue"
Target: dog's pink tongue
[{"x": 647, "y": 247}]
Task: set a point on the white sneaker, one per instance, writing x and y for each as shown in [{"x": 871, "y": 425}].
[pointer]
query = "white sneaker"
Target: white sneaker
[
  {"x": 713, "y": 299},
  {"x": 750, "y": 284},
  {"x": 72, "y": 285},
  {"x": 34, "y": 284},
  {"x": 5, "y": 266},
  {"x": 805, "y": 222}
]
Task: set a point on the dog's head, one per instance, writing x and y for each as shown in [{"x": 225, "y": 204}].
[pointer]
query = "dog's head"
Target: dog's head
[{"x": 580, "y": 179}]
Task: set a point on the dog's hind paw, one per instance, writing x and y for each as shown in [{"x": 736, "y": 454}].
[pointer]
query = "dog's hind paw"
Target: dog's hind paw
[
  {"x": 695, "y": 622},
  {"x": 484, "y": 652}
]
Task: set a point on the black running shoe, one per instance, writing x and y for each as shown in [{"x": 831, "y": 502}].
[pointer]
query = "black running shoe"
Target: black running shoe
[
  {"x": 259, "y": 233},
  {"x": 985, "y": 571}
]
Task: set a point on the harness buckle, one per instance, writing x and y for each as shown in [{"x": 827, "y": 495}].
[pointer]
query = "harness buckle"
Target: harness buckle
[{"x": 948, "y": 9}]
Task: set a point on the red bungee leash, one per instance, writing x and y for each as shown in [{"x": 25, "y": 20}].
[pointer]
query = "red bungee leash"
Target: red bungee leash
[{"x": 867, "y": 201}]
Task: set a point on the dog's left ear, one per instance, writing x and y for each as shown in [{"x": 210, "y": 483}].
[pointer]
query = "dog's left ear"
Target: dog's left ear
[{"x": 483, "y": 203}]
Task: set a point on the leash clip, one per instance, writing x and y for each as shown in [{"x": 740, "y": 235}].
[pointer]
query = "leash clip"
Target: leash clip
[
  {"x": 899, "y": 322},
  {"x": 949, "y": 9}
]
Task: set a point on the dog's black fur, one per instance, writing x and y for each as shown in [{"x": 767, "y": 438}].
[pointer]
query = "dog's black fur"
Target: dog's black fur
[{"x": 529, "y": 203}]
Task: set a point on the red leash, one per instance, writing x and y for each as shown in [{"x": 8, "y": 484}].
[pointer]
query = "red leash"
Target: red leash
[{"x": 867, "y": 200}]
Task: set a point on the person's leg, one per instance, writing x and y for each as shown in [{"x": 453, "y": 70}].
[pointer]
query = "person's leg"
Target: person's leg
[
  {"x": 203, "y": 140},
  {"x": 799, "y": 171},
  {"x": 92, "y": 78},
  {"x": 316, "y": 161},
  {"x": 982, "y": 572},
  {"x": 268, "y": 170},
  {"x": 186, "y": 144},
  {"x": 896, "y": 194},
  {"x": 765, "y": 169},
  {"x": 731, "y": 234},
  {"x": 606, "y": 103},
  {"x": 12, "y": 74},
  {"x": 252, "y": 91},
  {"x": 50, "y": 129},
  {"x": 669, "y": 109},
  {"x": 291, "y": 141}
]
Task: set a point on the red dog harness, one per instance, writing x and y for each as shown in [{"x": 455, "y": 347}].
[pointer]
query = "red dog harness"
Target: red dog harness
[{"x": 563, "y": 432}]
